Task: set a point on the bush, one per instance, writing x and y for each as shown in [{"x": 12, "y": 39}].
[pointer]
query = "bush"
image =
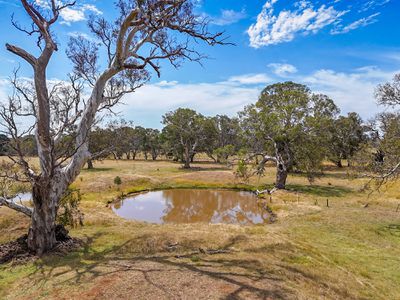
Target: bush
[
  {"x": 117, "y": 180},
  {"x": 69, "y": 213},
  {"x": 243, "y": 172}
]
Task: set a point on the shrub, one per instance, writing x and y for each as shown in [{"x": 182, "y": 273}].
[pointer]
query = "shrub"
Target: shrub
[
  {"x": 117, "y": 180},
  {"x": 69, "y": 213}
]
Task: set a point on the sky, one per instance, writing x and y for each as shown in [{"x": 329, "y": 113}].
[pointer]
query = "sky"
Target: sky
[{"x": 342, "y": 48}]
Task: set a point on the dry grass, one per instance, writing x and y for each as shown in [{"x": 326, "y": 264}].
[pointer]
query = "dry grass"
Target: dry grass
[{"x": 344, "y": 251}]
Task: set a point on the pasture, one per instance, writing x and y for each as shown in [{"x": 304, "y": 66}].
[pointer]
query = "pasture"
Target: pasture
[{"x": 349, "y": 250}]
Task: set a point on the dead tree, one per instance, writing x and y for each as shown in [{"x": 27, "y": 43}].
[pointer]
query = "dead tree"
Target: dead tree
[{"x": 145, "y": 33}]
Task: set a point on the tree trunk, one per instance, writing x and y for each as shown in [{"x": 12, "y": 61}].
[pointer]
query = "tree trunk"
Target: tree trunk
[
  {"x": 186, "y": 158},
  {"x": 154, "y": 155},
  {"x": 145, "y": 156},
  {"x": 281, "y": 176},
  {"x": 90, "y": 164},
  {"x": 192, "y": 157},
  {"x": 42, "y": 236},
  {"x": 133, "y": 155},
  {"x": 339, "y": 163},
  {"x": 128, "y": 155}
]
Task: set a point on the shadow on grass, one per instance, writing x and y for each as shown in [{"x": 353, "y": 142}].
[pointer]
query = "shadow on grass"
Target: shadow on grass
[
  {"x": 199, "y": 169},
  {"x": 234, "y": 276},
  {"x": 319, "y": 190},
  {"x": 96, "y": 170}
]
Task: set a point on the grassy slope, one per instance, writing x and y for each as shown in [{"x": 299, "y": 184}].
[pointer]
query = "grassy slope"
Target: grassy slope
[{"x": 342, "y": 252}]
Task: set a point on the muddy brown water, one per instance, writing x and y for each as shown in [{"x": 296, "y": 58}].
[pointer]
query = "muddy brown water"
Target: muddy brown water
[{"x": 193, "y": 206}]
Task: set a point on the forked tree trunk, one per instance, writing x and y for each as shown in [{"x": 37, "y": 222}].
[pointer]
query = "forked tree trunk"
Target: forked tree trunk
[
  {"x": 41, "y": 235},
  {"x": 281, "y": 176}
]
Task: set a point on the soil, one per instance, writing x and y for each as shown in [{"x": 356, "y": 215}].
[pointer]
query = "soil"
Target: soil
[{"x": 17, "y": 251}]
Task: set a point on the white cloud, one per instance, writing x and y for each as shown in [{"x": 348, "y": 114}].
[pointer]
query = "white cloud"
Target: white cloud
[
  {"x": 229, "y": 16},
  {"x": 304, "y": 17},
  {"x": 373, "y": 4},
  {"x": 71, "y": 14},
  {"x": 4, "y": 89},
  {"x": 250, "y": 79},
  {"x": 273, "y": 29},
  {"x": 225, "y": 97},
  {"x": 363, "y": 22},
  {"x": 282, "y": 70},
  {"x": 77, "y": 34},
  {"x": 353, "y": 91}
]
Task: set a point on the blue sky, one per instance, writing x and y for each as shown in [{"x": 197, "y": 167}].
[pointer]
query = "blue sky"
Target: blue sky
[{"x": 338, "y": 47}]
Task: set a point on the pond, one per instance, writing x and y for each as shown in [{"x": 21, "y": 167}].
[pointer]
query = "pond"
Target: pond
[
  {"x": 22, "y": 197},
  {"x": 193, "y": 206}
]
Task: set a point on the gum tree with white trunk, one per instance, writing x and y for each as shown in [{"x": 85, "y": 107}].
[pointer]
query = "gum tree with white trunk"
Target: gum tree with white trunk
[{"x": 145, "y": 33}]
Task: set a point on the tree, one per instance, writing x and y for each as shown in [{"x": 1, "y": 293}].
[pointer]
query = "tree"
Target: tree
[
  {"x": 137, "y": 140},
  {"x": 286, "y": 127},
  {"x": 145, "y": 33},
  {"x": 153, "y": 143},
  {"x": 184, "y": 127},
  {"x": 122, "y": 137},
  {"x": 347, "y": 135},
  {"x": 385, "y": 162},
  {"x": 4, "y": 141},
  {"x": 222, "y": 137},
  {"x": 101, "y": 144}
]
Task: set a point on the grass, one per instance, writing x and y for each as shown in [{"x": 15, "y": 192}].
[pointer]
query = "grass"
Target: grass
[{"x": 344, "y": 251}]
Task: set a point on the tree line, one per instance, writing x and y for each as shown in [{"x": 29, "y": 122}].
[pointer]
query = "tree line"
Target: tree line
[{"x": 289, "y": 126}]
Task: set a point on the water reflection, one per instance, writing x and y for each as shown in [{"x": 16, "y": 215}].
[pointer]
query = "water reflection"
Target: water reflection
[
  {"x": 193, "y": 206},
  {"x": 22, "y": 197}
]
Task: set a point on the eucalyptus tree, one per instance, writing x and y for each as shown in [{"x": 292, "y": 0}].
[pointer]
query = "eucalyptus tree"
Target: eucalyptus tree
[
  {"x": 384, "y": 159},
  {"x": 286, "y": 127},
  {"x": 229, "y": 137},
  {"x": 122, "y": 136},
  {"x": 153, "y": 142},
  {"x": 347, "y": 137},
  {"x": 185, "y": 127},
  {"x": 101, "y": 144},
  {"x": 137, "y": 140},
  {"x": 145, "y": 33},
  {"x": 222, "y": 137}
]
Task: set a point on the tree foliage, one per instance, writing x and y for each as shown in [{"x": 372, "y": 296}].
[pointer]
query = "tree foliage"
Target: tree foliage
[{"x": 285, "y": 127}]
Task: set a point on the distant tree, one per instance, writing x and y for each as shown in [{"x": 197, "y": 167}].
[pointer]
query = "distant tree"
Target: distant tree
[
  {"x": 388, "y": 94},
  {"x": 153, "y": 142},
  {"x": 137, "y": 140},
  {"x": 385, "y": 137},
  {"x": 381, "y": 156},
  {"x": 347, "y": 136},
  {"x": 4, "y": 142},
  {"x": 286, "y": 127},
  {"x": 185, "y": 127},
  {"x": 122, "y": 137},
  {"x": 101, "y": 143},
  {"x": 223, "y": 139}
]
